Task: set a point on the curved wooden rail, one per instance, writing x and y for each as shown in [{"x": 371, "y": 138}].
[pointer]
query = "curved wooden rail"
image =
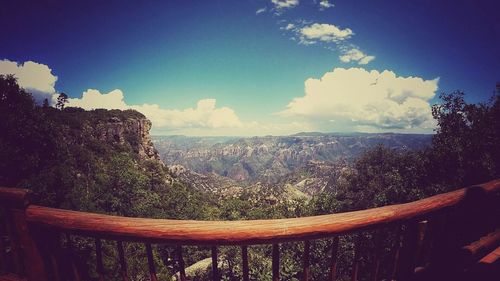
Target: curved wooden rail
[
  {"x": 35, "y": 246},
  {"x": 246, "y": 232},
  {"x": 14, "y": 196}
]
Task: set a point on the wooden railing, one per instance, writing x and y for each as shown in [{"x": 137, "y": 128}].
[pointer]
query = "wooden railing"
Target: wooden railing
[{"x": 30, "y": 244}]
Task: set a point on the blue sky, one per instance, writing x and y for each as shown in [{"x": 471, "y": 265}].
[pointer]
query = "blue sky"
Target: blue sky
[{"x": 256, "y": 67}]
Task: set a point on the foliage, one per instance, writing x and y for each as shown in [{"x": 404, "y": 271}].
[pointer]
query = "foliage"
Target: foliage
[
  {"x": 62, "y": 100},
  {"x": 466, "y": 144}
]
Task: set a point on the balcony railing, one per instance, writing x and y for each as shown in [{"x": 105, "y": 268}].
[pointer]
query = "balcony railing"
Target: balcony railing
[{"x": 470, "y": 215}]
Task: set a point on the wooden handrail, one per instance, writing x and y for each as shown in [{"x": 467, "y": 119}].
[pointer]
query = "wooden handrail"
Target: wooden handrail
[
  {"x": 14, "y": 196},
  {"x": 34, "y": 234},
  {"x": 247, "y": 232}
]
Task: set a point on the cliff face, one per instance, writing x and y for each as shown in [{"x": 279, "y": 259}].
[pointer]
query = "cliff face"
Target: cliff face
[
  {"x": 135, "y": 131},
  {"x": 128, "y": 129}
]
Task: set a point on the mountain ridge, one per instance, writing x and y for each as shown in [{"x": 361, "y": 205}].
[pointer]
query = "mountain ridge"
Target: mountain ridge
[{"x": 309, "y": 161}]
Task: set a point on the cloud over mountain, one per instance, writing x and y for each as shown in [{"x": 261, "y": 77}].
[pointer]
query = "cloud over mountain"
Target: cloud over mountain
[
  {"x": 205, "y": 115},
  {"x": 36, "y": 78},
  {"x": 367, "y": 98}
]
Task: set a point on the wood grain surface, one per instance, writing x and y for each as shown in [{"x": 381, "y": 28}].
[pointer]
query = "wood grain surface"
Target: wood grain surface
[{"x": 245, "y": 232}]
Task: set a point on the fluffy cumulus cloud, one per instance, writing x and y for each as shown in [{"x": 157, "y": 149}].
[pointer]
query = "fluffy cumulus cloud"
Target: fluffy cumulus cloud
[
  {"x": 282, "y": 4},
  {"x": 355, "y": 55},
  {"x": 204, "y": 115},
  {"x": 362, "y": 98},
  {"x": 34, "y": 77},
  {"x": 325, "y": 4},
  {"x": 92, "y": 99},
  {"x": 324, "y": 32}
]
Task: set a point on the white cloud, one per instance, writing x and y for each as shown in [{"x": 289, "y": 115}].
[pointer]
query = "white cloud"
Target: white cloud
[
  {"x": 324, "y": 32},
  {"x": 204, "y": 115},
  {"x": 261, "y": 10},
  {"x": 281, "y": 4},
  {"x": 358, "y": 97},
  {"x": 325, "y": 4},
  {"x": 356, "y": 55},
  {"x": 92, "y": 99},
  {"x": 289, "y": 26},
  {"x": 333, "y": 38},
  {"x": 35, "y": 78}
]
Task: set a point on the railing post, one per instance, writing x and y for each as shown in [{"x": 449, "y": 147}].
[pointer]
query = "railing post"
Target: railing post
[
  {"x": 306, "y": 264},
  {"x": 123, "y": 260},
  {"x": 376, "y": 256},
  {"x": 276, "y": 262},
  {"x": 98, "y": 257},
  {"x": 29, "y": 261},
  {"x": 333, "y": 262},
  {"x": 13, "y": 238},
  {"x": 215, "y": 270},
  {"x": 397, "y": 252},
  {"x": 182, "y": 269},
  {"x": 74, "y": 268},
  {"x": 244, "y": 258},
  {"x": 3, "y": 253},
  {"x": 151, "y": 263},
  {"x": 355, "y": 261},
  {"x": 408, "y": 252}
]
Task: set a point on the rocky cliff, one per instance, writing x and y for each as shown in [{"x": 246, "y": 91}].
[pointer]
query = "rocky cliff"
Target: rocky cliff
[
  {"x": 135, "y": 131},
  {"x": 119, "y": 128}
]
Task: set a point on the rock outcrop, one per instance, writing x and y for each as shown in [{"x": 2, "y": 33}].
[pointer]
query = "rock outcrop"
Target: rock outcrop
[
  {"x": 128, "y": 128},
  {"x": 135, "y": 131}
]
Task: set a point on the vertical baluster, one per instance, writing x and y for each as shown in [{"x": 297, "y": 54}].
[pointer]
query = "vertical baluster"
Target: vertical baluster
[
  {"x": 407, "y": 257},
  {"x": 53, "y": 249},
  {"x": 98, "y": 256},
  {"x": 34, "y": 261},
  {"x": 123, "y": 261},
  {"x": 215, "y": 270},
  {"x": 13, "y": 241},
  {"x": 440, "y": 230},
  {"x": 3, "y": 253},
  {"x": 397, "y": 250},
  {"x": 182, "y": 270},
  {"x": 306, "y": 260},
  {"x": 276, "y": 262},
  {"x": 71, "y": 254},
  {"x": 244, "y": 257},
  {"x": 355, "y": 262},
  {"x": 376, "y": 256},
  {"x": 333, "y": 264},
  {"x": 151, "y": 262},
  {"x": 422, "y": 239}
]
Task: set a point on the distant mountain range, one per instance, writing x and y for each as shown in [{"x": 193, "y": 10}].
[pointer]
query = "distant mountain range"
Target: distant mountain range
[{"x": 308, "y": 161}]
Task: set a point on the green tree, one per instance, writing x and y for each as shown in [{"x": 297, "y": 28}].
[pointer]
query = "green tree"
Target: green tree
[
  {"x": 465, "y": 147},
  {"x": 26, "y": 142},
  {"x": 62, "y": 99}
]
